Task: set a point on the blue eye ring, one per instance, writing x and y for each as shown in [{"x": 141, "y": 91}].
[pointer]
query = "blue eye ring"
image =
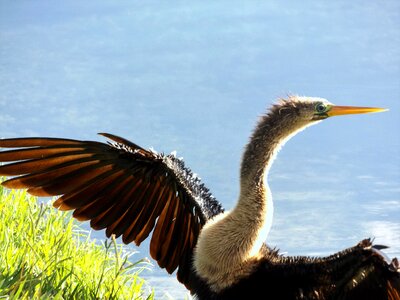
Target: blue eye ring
[{"x": 321, "y": 108}]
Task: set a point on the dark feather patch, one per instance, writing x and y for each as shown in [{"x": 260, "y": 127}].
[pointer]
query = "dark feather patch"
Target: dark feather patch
[{"x": 119, "y": 186}]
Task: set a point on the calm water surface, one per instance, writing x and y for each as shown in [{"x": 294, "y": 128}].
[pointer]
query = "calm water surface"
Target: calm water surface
[{"x": 195, "y": 77}]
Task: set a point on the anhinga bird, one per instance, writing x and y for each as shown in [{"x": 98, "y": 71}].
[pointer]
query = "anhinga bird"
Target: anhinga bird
[{"x": 130, "y": 191}]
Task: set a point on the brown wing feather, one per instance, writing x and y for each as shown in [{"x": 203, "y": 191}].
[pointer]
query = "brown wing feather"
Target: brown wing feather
[
  {"x": 121, "y": 187},
  {"x": 36, "y": 142},
  {"x": 103, "y": 203},
  {"x": 132, "y": 212},
  {"x": 42, "y": 164},
  {"x": 41, "y": 179},
  {"x": 143, "y": 217},
  {"x": 117, "y": 211},
  {"x": 14, "y": 155},
  {"x": 158, "y": 206}
]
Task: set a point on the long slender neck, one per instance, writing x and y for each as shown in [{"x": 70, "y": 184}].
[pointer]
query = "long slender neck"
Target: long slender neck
[
  {"x": 255, "y": 206},
  {"x": 257, "y": 160},
  {"x": 228, "y": 243}
]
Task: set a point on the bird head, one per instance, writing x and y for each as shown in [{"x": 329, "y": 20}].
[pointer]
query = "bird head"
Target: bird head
[
  {"x": 324, "y": 110},
  {"x": 291, "y": 115},
  {"x": 309, "y": 109}
]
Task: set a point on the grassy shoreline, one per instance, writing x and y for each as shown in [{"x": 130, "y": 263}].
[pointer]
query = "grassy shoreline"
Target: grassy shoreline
[{"x": 44, "y": 254}]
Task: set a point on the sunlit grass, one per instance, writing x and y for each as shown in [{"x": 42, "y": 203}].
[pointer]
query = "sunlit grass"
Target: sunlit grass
[{"x": 44, "y": 254}]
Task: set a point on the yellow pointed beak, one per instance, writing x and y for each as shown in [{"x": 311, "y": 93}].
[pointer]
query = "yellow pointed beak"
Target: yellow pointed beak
[{"x": 350, "y": 110}]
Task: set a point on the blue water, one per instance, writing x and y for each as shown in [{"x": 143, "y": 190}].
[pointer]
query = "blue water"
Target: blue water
[{"x": 194, "y": 77}]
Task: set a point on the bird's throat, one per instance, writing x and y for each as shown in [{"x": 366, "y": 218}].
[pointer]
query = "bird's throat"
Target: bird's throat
[
  {"x": 229, "y": 245},
  {"x": 255, "y": 200}
]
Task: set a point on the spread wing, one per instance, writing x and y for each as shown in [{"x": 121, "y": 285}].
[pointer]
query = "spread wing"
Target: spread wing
[{"x": 120, "y": 187}]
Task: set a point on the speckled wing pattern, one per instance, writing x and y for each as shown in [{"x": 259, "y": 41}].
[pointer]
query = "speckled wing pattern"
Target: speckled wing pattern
[{"x": 120, "y": 187}]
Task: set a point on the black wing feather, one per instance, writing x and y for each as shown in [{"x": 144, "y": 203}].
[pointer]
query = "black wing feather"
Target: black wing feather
[{"x": 118, "y": 186}]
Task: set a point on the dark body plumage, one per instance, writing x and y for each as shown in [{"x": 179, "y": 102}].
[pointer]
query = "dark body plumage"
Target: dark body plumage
[
  {"x": 131, "y": 192},
  {"x": 355, "y": 273}
]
